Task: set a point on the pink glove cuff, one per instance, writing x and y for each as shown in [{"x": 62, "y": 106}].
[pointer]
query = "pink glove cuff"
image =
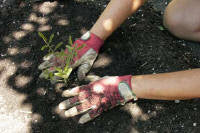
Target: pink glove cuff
[
  {"x": 126, "y": 79},
  {"x": 125, "y": 88},
  {"x": 91, "y": 40}
]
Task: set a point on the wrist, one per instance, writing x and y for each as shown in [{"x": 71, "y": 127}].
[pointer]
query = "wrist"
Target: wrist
[
  {"x": 125, "y": 88},
  {"x": 90, "y": 40}
]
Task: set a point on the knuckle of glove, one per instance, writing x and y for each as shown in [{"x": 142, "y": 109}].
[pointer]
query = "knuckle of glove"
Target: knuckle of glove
[{"x": 89, "y": 56}]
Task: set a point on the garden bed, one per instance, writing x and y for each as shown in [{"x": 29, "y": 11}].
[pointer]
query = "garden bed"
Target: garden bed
[{"x": 139, "y": 46}]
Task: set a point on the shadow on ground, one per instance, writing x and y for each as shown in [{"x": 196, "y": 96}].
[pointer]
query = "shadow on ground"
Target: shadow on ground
[{"x": 137, "y": 47}]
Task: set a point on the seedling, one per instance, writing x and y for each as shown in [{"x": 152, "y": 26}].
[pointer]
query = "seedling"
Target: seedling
[
  {"x": 61, "y": 72},
  {"x": 161, "y": 28}
]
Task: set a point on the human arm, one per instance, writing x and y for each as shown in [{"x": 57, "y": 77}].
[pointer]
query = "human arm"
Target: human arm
[
  {"x": 113, "y": 16},
  {"x": 168, "y": 86},
  {"x": 109, "y": 92}
]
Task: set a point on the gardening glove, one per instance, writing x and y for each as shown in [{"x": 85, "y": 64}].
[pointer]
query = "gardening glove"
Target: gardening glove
[
  {"x": 96, "y": 97},
  {"x": 84, "y": 59}
]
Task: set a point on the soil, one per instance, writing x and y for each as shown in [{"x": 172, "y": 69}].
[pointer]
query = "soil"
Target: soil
[{"x": 138, "y": 47}]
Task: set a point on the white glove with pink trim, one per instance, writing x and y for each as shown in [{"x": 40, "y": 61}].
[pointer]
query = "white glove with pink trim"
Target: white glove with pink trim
[{"x": 93, "y": 99}]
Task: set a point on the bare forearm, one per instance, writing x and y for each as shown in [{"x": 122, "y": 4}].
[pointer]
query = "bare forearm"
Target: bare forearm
[
  {"x": 114, "y": 15},
  {"x": 168, "y": 86}
]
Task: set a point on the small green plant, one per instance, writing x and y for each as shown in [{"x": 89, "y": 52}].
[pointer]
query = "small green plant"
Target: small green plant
[
  {"x": 161, "y": 28},
  {"x": 63, "y": 72}
]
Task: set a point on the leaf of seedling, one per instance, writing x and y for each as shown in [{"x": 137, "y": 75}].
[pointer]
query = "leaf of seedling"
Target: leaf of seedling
[
  {"x": 68, "y": 72},
  {"x": 58, "y": 69},
  {"x": 59, "y": 74},
  {"x": 44, "y": 47},
  {"x": 161, "y": 28},
  {"x": 65, "y": 72},
  {"x": 70, "y": 40},
  {"x": 75, "y": 54},
  {"x": 82, "y": 46},
  {"x": 51, "y": 38},
  {"x": 63, "y": 54},
  {"x": 58, "y": 45},
  {"x": 60, "y": 54},
  {"x": 50, "y": 75},
  {"x": 68, "y": 59},
  {"x": 43, "y": 37},
  {"x": 46, "y": 74},
  {"x": 69, "y": 47},
  {"x": 76, "y": 45}
]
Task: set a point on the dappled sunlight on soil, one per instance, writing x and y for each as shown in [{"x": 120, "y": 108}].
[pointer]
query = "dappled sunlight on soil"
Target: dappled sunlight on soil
[
  {"x": 103, "y": 61},
  {"x": 136, "y": 112},
  {"x": 28, "y": 104},
  {"x": 6, "y": 71},
  {"x": 21, "y": 81}
]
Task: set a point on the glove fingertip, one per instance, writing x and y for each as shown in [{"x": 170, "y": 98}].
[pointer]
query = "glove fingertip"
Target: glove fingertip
[
  {"x": 81, "y": 76},
  {"x": 92, "y": 78},
  {"x": 83, "y": 70},
  {"x": 85, "y": 118},
  {"x": 49, "y": 57},
  {"x": 41, "y": 75}
]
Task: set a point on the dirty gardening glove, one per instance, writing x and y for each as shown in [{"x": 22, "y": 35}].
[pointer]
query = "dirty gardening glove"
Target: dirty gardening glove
[
  {"x": 84, "y": 59},
  {"x": 96, "y": 97}
]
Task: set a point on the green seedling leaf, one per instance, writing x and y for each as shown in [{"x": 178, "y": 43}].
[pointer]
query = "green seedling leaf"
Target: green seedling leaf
[
  {"x": 44, "y": 47},
  {"x": 50, "y": 75},
  {"x": 65, "y": 72},
  {"x": 82, "y": 46},
  {"x": 75, "y": 54},
  {"x": 70, "y": 40},
  {"x": 63, "y": 54},
  {"x": 46, "y": 74},
  {"x": 62, "y": 75},
  {"x": 66, "y": 68},
  {"x": 76, "y": 45},
  {"x": 65, "y": 76},
  {"x": 68, "y": 72},
  {"x": 161, "y": 28},
  {"x": 43, "y": 37},
  {"x": 58, "y": 45},
  {"x": 58, "y": 75},
  {"x": 68, "y": 62},
  {"x": 69, "y": 48},
  {"x": 58, "y": 69},
  {"x": 60, "y": 54},
  {"x": 51, "y": 38}
]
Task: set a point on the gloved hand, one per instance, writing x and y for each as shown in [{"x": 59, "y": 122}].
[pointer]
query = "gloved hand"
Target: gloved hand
[
  {"x": 96, "y": 97},
  {"x": 84, "y": 59}
]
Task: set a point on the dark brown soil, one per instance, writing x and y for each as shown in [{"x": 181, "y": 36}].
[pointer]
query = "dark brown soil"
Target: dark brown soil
[{"x": 137, "y": 47}]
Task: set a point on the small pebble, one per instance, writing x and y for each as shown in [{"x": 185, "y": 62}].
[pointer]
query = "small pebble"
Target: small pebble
[
  {"x": 177, "y": 101},
  {"x": 35, "y": 121},
  {"x": 184, "y": 44},
  {"x": 195, "y": 124}
]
